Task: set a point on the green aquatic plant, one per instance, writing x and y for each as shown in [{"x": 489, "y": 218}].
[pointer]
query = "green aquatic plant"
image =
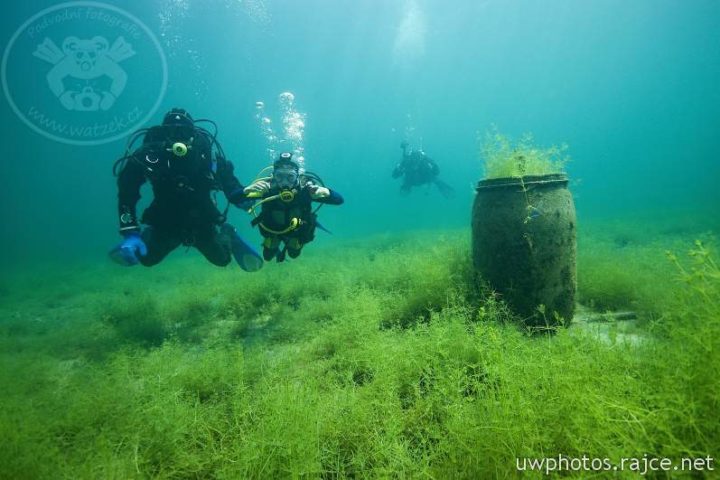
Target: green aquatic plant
[
  {"x": 623, "y": 275},
  {"x": 504, "y": 157},
  {"x": 316, "y": 370},
  {"x": 138, "y": 321}
]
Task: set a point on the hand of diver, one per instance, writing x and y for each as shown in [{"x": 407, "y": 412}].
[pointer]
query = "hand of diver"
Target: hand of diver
[
  {"x": 317, "y": 191},
  {"x": 126, "y": 253},
  {"x": 257, "y": 189}
]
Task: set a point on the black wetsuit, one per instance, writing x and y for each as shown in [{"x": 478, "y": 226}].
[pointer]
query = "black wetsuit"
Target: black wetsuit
[
  {"x": 416, "y": 169},
  {"x": 292, "y": 222},
  {"x": 183, "y": 210}
]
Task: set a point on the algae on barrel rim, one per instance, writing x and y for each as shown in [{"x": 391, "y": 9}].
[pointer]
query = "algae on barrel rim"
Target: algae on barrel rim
[{"x": 504, "y": 157}]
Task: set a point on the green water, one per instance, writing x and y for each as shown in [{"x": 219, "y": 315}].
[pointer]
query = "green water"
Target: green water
[{"x": 372, "y": 355}]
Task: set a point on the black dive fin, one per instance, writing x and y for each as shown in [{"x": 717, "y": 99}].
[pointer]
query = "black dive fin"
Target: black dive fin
[{"x": 445, "y": 190}]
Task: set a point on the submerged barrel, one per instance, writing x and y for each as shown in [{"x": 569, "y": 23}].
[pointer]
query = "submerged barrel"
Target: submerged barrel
[{"x": 524, "y": 245}]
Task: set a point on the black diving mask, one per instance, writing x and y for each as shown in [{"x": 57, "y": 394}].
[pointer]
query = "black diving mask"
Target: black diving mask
[{"x": 285, "y": 178}]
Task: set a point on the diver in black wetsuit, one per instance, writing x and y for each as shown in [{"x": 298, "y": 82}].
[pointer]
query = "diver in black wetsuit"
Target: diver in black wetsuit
[
  {"x": 417, "y": 169},
  {"x": 287, "y": 214},
  {"x": 185, "y": 165}
]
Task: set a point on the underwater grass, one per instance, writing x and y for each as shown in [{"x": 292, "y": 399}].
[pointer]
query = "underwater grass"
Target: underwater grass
[
  {"x": 619, "y": 266},
  {"x": 505, "y": 157},
  {"x": 372, "y": 359}
]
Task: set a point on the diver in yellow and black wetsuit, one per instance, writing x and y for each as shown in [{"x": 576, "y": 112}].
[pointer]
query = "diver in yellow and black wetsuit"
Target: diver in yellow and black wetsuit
[{"x": 286, "y": 212}]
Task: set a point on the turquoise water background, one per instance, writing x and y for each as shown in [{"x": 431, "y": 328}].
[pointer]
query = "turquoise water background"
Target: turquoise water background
[{"x": 630, "y": 86}]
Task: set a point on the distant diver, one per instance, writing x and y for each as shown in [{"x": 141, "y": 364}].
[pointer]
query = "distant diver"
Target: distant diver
[
  {"x": 185, "y": 165},
  {"x": 417, "y": 169},
  {"x": 286, "y": 212}
]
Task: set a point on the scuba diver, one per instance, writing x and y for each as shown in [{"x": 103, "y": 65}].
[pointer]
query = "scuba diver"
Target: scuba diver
[
  {"x": 185, "y": 165},
  {"x": 417, "y": 169},
  {"x": 286, "y": 212}
]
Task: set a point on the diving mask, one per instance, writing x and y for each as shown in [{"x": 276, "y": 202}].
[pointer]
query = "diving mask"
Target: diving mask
[{"x": 285, "y": 178}]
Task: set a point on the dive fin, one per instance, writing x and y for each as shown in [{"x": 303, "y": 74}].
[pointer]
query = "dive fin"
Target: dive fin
[
  {"x": 318, "y": 225},
  {"x": 245, "y": 255},
  {"x": 445, "y": 190}
]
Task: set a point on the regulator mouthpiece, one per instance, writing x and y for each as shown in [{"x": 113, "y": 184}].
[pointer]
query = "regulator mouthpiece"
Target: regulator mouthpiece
[{"x": 287, "y": 195}]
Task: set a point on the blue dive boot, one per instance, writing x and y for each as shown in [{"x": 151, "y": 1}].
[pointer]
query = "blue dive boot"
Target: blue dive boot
[{"x": 246, "y": 256}]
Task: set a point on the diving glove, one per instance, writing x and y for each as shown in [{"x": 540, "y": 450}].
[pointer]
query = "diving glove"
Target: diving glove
[{"x": 126, "y": 252}]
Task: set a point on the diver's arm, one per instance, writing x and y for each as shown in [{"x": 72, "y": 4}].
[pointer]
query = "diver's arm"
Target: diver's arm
[
  {"x": 323, "y": 194},
  {"x": 231, "y": 186},
  {"x": 332, "y": 198},
  {"x": 400, "y": 167},
  {"x": 398, "y": 171},
  {"x": 130, "y": 179}
]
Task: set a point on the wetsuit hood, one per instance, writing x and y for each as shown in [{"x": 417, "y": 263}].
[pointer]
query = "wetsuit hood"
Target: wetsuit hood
[{"x": 178, "y": 117}]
